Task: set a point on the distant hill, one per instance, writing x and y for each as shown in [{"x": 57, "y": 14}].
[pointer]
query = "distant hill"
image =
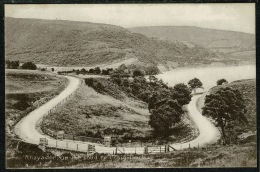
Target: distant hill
[
  {"x": 229, "y": 43},
  {"x": 70, "y": 43}
]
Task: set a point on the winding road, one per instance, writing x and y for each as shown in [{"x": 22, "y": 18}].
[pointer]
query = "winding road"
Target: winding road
[{"x": 26, "y": 129}]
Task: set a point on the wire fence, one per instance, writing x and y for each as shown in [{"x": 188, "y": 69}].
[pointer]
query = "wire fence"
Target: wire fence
[{"x": 69, "y": 142}]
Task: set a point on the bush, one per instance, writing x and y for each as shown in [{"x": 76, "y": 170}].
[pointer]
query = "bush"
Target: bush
[
  {"x": 12, "y": 64},
  {"x": 138, "y": 72},
  {"x": 29, "y": 65},
  {"x": 221, "y": 81}
]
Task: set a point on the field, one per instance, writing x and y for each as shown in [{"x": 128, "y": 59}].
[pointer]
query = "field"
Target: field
[
  {"x": 25, "y": 91},
  {"x": 110, "y": 111}
]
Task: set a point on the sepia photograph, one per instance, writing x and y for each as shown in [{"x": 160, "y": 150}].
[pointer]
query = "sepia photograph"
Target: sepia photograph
[{"x": 97, "y": 86}]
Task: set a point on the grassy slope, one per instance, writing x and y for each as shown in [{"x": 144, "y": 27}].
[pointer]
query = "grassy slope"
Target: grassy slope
[
  {"x": 112, "y": 108},
  {"x": 68, "y": 43},
  {"x": 248, "y": 90},
  {"x": 24, "y": 88},
  {"x": 230, "y": 42}
]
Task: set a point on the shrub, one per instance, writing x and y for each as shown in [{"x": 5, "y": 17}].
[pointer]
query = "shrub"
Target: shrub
[
  {"x": 29, "y": 65},
  {"x": 221, "y": 81}
]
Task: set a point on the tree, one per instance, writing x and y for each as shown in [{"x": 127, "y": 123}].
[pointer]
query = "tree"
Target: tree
[
  {"x": 138, "y": 72},
  {"x": 225, "y": 106},
  {"x": 97, "y": 70},
  {"x": 182, "y": 93},
  {"x": 91, "y": 70},
  {"x": 29, "y": 65},
  {"x": 221, "y": 81},
  {"x": 194, "y": 84},
  {"x": 52, "y": 69},
  {"x": 152, "y": 70},
  {"x": 165, "y": 116},
  {"x": 83, "y": 71}
]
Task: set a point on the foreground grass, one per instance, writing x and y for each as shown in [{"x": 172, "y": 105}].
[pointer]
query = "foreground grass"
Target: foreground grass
[
  {"x": 30, "y": 156},
  {"x": 25, "y": 91}
]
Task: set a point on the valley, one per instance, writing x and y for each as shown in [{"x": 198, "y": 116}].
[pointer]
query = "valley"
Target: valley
[{"x": 149, "y": 103}]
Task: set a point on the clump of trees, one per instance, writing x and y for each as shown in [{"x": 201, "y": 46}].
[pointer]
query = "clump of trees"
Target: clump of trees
[
  {"x": 194, "y": 84},
  {"x": 226, "y": 107},
  {"x": 12, "y": 64},
  {"x": 107, "y": 71},
  {"x": 29, "y": 65},
  {"x": 16, "y": 65},
  {"x": 221, "y": 81},
  {"x": 164, "y": 102}
]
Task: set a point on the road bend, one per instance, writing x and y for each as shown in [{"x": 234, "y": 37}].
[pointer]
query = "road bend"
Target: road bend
[{"x": 26, "y": 129}]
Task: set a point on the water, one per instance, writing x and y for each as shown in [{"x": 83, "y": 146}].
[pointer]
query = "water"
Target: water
[{"x": 208, "y": 75}]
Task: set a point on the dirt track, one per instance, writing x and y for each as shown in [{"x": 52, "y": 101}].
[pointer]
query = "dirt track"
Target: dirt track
[{"x": 26, "y": 128}]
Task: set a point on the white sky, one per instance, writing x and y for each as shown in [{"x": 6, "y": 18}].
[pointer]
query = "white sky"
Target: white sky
[{"x": 233, "y": 16}]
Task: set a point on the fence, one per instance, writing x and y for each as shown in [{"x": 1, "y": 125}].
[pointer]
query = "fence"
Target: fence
[{"x": 68, "y": 141}]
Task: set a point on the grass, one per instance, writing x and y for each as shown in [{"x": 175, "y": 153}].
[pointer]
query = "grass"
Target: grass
[
  {"x": 25, "y": 90},
  {"x": 90, "y": 113},
  {"x": 213, "y": 156}
]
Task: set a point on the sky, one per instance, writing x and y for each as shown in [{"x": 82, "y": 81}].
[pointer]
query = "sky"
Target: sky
[{"x": 229, "y": 16}]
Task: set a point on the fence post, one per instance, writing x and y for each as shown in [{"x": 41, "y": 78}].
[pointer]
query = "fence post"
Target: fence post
[
  {"x": 77, "y": 146},
  {"x": 116, "y": 151},
  {"x": 189, "y": 145},
  {"x": 145, "y": 149}
]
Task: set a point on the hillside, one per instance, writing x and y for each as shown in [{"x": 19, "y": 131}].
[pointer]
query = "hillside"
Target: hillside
[
  {"x": 70, "y": 43},
  {"x": 248, "y": 89},
  {"x": 232, "y": 44}
]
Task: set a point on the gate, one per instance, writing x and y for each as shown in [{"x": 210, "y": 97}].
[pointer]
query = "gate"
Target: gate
[
  {"x": 120, "y": 150},
  {"x": 158, "y": 149}
]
